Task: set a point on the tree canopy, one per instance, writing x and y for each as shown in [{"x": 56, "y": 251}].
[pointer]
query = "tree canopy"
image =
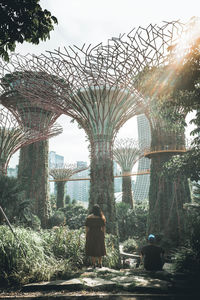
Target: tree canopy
[
  {"x": 187, "y": 95},
  {"x": 176, "y": 87},
  {"x": 23, "y": 20}
]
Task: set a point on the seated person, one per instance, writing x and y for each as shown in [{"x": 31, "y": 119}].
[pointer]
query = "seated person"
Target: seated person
[{"x": 152, "y": 255}]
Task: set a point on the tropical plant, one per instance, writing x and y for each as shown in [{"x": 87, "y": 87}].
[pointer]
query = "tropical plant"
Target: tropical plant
[
  {"x": 24, "y": 215},
  {"x": 23, "y": 21},
  {"x": 187, "y": 94},
  {"x": 67, "y": 244},
  {"x": 31, "y": 256},
  {"x": 187, "y": 258},
  {"x": 57, "y": 219},
  {"x": 24, "y": 259},
  {"x": 131, "y": 222},
  {"x": 72, "y": 215},
  {"x": 130, "y": 246},
  {"x": 112, "y": 258},
  {"x": 10, "y": 194}
]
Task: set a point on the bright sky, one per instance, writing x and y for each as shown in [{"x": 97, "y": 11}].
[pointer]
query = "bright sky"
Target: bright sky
[{"x": 94, "y": 21}]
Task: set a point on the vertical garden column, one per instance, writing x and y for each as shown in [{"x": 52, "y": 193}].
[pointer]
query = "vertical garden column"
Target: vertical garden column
[
  {"x": 166, "y": 198},
  {"x": 102, "y": 180},
  {"x": 60, "y": 199},
  {"x": 34, "y": 177},
  {"x": 127, "y": 189},
  {"x": 2, "y": 167}
]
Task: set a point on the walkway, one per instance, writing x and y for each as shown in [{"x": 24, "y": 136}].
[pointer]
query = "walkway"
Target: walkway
[{"x": 105, "y": 283}]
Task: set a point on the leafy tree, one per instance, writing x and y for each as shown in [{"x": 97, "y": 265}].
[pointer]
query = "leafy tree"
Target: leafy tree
[
  {"x": 187, "y": 258},
  {"x": 187, "y": 94},
  {"x": 74, "y": 201},
  {"x": 67, "y": 199},
  {"x": 23, "y": 20},
  {"x": 72, "y": 215},
  {"x": 131, "y": 223}
]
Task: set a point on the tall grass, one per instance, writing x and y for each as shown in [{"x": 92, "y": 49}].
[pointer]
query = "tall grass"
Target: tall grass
[
  {"x": 24, "y": 259},
  {"x": 45, "y": 255}
]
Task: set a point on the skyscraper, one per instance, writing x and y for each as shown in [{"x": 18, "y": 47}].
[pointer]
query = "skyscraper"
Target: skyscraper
[
  {"x": 79, "y": 190},
  {"x": 141, "y": 187},
  {"x": 54, "y": 160}
]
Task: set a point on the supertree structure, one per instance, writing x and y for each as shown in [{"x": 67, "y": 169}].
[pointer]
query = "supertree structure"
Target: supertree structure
[
  {"x": 61, "y": 174},
  {"x": 33, "y": 160},
  {"x": 156, "y": 81},
  {"x": 126, "y": 152},
  {"x": 13, "y": 136},
  {"x": 166, "y": 213},
  {"x": 99, "y": 85},
  {"x": 98, "y": 96}
]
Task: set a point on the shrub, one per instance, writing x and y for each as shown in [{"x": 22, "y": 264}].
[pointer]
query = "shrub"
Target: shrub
[
  {"x": 17, "y": 208},
  {"x": 57, "y": 219},
  {"x": 67, "y": 244},
  {"x": 46, "y": 255},
  {"x": 131, "y": 222},
  {"x": 187, "y": 258},
  {"x": 73, "y": 215},
  {"x": 130, "y": 246},
  {"x": 24, "y": 215},
  {"x": 10, "y": 193},
  {"x": 23, "y": 259},
  {"x": 112, "y": 258}
]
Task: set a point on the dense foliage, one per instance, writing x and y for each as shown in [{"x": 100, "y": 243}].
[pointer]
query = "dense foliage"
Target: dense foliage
[
  {"x": 187, "y": 257},
  {"x": 131, "y": 222},
  {"x": 15, "y": 205},
  {"x": 10, "y": 196},
  {"x": 46, "y": 255},
  {"x": 186, "y": 93},
  {"x": 72, "y": 215},
  {"x": 23, "y": 20},
  {"x": 130, "y": 246},
  {"x": 33, "y": 176}
]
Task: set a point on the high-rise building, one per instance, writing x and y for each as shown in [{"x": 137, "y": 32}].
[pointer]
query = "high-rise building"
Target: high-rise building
[
  {"x": 141, "y": 187},
  {"x": 117, "y": 180},
  {"x": 79, "y": 190},
  {"x": 12, "y": 172},
  {"x": 55, "y": 159}
]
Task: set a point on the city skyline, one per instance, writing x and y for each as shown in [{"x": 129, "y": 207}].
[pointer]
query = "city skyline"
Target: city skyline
[{"x": 94, "y": 21}]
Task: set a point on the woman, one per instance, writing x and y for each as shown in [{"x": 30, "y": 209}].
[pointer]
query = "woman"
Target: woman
[{"x": 95, "y": 233}]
